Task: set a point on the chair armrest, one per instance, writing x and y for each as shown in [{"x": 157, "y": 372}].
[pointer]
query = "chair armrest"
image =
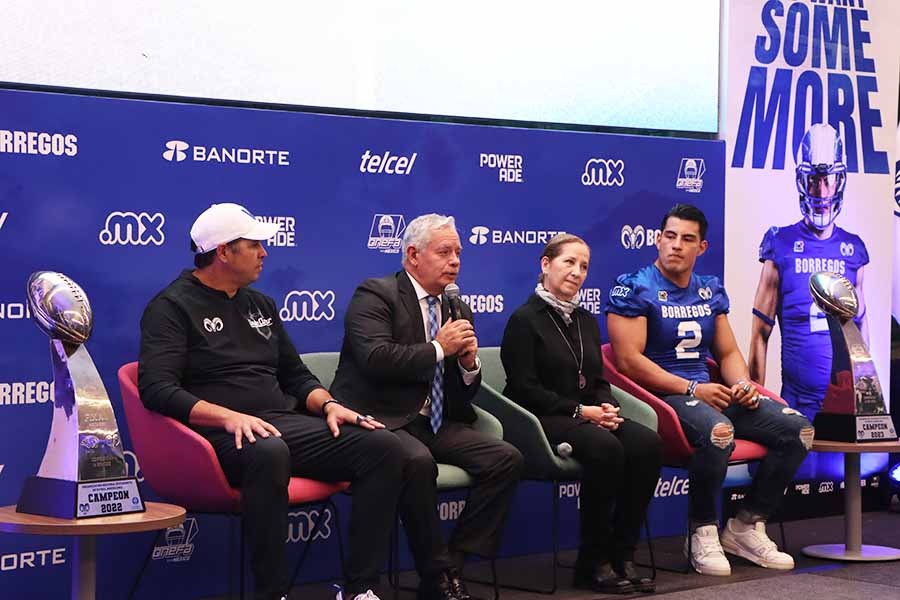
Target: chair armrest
[
  {"x": 634, "y": 409},
  {"x": 521, "y": 429},
  {"x": 487, "y": 423}
]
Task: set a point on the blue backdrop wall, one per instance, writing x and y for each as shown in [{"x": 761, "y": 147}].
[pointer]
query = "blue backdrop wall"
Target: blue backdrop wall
[{"x": 105, "y": 190}]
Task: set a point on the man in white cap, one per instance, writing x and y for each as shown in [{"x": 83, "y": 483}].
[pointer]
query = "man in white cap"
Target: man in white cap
[{"x": 215, "y": 356}]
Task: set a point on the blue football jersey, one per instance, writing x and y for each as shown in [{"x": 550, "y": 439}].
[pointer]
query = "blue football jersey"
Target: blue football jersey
[
  {"x": 681, "y": 322},
  {"x": 805, "y": 341}
]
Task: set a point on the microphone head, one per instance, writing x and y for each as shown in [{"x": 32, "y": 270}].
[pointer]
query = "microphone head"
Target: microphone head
[{"x": 451, "y": 291}]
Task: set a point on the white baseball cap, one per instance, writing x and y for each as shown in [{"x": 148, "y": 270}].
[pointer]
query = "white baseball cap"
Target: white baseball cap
[{"x": 226, "y": 222}]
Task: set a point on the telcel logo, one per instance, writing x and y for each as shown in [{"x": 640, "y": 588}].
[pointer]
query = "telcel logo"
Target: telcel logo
[
  {"x": 386, "y": 163},
  {"x": 133, "y": 229},
  {"x": 675, "y": 486}
]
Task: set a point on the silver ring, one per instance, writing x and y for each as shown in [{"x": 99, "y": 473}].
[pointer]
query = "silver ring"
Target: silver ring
[
  {"x": 747, "y": 387},
  {"x": 359, "y": 419}
]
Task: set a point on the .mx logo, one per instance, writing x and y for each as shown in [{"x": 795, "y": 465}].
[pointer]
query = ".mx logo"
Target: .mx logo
[
  {"x": 175, "y": 151},
  {"x": 133, "y": 229}
]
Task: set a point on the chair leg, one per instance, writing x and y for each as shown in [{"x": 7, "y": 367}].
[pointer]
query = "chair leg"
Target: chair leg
[
  {"x": 134, "y": 586},
  {"x": 650, "y": 549},
  {"x": 243, "y": 542}
]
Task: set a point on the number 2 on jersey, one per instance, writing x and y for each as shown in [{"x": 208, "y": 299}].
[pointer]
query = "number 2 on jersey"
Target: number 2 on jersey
[{"x": 683, "y": 349}]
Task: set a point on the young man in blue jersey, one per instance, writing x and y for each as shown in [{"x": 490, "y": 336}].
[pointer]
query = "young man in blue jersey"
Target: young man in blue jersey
[
  {"x": 789, "y": 256},
  {"x": 663, "y": 322}
]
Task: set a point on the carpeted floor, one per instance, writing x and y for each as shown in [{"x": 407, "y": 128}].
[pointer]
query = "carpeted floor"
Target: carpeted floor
[{"x": 812, "y": 579}]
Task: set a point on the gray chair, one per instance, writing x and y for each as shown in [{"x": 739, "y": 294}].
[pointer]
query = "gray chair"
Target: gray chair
[
  {"x": 523, "y": 430},
  {"x": 450, "y": 477}
]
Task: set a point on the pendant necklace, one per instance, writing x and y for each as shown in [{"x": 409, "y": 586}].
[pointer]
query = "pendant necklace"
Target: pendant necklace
[{"x": 579, "y": 360}]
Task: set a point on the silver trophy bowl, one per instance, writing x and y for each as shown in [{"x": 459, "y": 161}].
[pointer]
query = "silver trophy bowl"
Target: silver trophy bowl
[
  {"x": 834, "y": 294},
  {"x": 59, "y": 307}
]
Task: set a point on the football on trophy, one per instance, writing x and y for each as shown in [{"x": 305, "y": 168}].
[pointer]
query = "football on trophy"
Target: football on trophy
[
  {"x": 59, "y": 307},
  {"x": 834, "y": 294}
]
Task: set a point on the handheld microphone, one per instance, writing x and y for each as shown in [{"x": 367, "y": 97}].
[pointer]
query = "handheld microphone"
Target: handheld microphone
[
  {"x": 452, "y": 293},
  {"x": 564, "y": 449}
]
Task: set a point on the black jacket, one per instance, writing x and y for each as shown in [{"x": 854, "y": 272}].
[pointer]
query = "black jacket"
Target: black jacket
[
  {"x": 386, "y": 366},
  {"x": 542, "y": 373}
]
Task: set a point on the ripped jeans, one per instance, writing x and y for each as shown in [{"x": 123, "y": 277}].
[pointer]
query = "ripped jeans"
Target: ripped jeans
[{"x": 784, "y": 431}]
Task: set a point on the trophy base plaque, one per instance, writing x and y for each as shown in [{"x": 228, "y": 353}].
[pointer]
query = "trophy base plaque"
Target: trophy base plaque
[
  {"x": 854, "y": 428},
  {"x": 80, "y": 499}
]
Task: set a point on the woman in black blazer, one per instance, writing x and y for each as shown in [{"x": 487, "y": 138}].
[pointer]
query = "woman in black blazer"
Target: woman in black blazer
[{"x": 554, "y": 368}]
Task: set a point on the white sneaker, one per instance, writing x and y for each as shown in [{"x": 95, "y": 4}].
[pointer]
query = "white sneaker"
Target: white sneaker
[
  {"x": 755, "y": 546},
  {"x": 339, "y": 595},
  {"x": 707, "y": 557}
]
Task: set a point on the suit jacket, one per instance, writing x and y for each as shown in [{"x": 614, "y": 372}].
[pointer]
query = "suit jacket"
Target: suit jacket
[
  {"x": 542, "y": 373},
  {"x": 386, "y": 366}
]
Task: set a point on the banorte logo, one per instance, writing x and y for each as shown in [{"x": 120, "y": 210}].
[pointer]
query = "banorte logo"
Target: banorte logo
[
  {"x": 34, "y": 559},
  {"x": 305, "y": 305},
  {"x": 179, "y": 151},
  {"x": 133, "y": 229},
  {"x": 175, "y": 151}
]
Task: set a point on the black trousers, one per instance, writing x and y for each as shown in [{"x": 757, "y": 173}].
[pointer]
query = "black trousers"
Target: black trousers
[
  {"x": 621, "y": 469},
  {"x": 494, "y": 465},
  {"x": 372, "y": 460}
]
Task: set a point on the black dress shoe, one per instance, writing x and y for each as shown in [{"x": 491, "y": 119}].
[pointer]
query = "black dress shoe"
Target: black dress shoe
[
  {"x": 436, "y": 588},
  {"x": 601, "y": 578},
  {"x": 458, "y": 586},
  {"x": 627, "y": 570}
]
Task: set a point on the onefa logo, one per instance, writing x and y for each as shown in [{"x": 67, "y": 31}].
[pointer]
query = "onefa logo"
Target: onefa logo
[
  {"x": 304, "y": 305},
  {"x": 179, "y": 542},
  {"x": 386, "y": 234},
  {"x": 133, "y": 229},
  {"x": 690, "y": 175},
  {"x": 604, "y": 171}
]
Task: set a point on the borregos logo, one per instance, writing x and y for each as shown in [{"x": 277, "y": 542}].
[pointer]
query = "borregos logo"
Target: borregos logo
[
  {"x": 305, "y": 305},
  {"x": 26, "y": 392},
  {"x": 133, "y": 229},
  {"x": 38, "y": 142},
  {"x": 180, "y": 150},
  {"x": 483, "y": 303},
  {"x": 637, "y": 237},
  {"x": 386, "y": 163},
  {"x": 604, "y": 171}
]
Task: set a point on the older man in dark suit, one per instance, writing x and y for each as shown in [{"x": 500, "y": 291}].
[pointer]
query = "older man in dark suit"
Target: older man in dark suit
[{"x": 411, "y": 367}]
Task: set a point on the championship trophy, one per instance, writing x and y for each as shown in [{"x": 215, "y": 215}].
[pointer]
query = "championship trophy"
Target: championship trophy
[
  {"x": 853, "y": 410},
  {"x": 83, "y": 473}
]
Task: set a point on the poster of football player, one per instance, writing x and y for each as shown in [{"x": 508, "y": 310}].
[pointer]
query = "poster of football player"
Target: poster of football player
[{"x": 789, "y": 255}]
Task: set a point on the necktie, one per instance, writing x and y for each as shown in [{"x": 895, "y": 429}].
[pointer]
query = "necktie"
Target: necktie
[{"x": 437, "y": 384}]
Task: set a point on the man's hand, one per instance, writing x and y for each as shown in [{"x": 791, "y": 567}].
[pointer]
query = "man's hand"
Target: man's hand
[
  {"x": 468, "y": 353},
  {"x": 244, "y": 426},
  {"x": 337, "y": 414},
  {"x": 454, "y": 336},
  {"x": 745, "y": 394},
  {"x": 716, "y": 395}
]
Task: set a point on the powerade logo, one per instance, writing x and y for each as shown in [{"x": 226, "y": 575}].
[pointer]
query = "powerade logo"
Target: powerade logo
[
  {"x": 179, "y": 151},
  {"x": 38, "y": 142},
  {"x": 386, "y": 233},
  {"x": 35, "y": 559},
  {"x": 133, "y": 229},
  {"x": 179, "y": 546},
  {"x": 810, "y": 39},
  {"x": 301, "y": 524},
  {"x": 690, "y": 175},
  {"x": 604, "y": 171},
  {"x": 481, "y": 235},
  {"x": 635, "y": 238},
  {"x": 591, "y": 300},
  {"x": 26, "y": 392},
  {"x": 286, "y": 238},
  {"x": 508, "y": 166},
  {"x": 304, "y": 305}
]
